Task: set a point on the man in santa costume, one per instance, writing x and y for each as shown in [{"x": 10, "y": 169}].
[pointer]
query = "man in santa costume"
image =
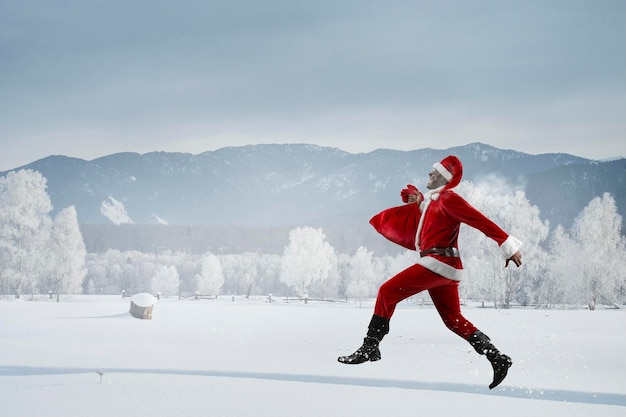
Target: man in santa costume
[{"x": 430, "y": 224}]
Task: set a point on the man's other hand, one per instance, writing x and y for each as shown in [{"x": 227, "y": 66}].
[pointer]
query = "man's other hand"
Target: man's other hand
[{"x": 516, "y": 258}]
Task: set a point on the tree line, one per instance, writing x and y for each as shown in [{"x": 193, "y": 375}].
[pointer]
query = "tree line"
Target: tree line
[{"x": 580, "y": 266}]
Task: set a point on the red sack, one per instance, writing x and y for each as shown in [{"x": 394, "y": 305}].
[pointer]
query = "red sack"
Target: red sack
[{"x": 398, "y": 224}]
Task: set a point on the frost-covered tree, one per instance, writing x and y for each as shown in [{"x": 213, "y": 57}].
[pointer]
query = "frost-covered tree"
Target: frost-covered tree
[
  {"x": 343, "y": 266},
  {"x": 165, "y": 280},
  {"x": 24, "y": 230},
  {"x": 306, "y": 259},
  {"x": 485, "y": 275},
  {"x": 136, "y": 271},
  {"x": 240, "y": 271},
  {"x": 210, "y": 279},
  {"x": 361, "y": 275},
  {"x": 97, "y": 277},
  {"x": 90, "y": 287},
  {"x": 558, "y": 285},
  {"x": 114, "y": 263},
  {"x": 400, "y": 262},
  {"x": 327, "y": 288},
  {"x": 188, "y": 266},
  {"x": 67, "y": 253},
  {"x": 522, "y": 220},
  {"x": 601, "y": 260},
  {"x": 268, "y": 279}
]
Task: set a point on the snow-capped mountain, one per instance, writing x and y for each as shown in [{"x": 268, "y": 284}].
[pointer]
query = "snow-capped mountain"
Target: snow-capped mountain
[
  {"x": 299, "y": 184},
  {"x": 260, "y": 184}
]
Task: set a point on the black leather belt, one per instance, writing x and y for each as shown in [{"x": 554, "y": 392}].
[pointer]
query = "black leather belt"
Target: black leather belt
[{"x": 449, "y": 252}]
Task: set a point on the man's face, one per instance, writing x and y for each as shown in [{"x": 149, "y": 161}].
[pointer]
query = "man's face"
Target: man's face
[{"x": 435, "y": 180}]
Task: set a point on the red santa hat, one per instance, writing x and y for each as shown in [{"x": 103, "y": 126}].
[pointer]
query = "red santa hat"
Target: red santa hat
[{"x": 451, "y": 169}]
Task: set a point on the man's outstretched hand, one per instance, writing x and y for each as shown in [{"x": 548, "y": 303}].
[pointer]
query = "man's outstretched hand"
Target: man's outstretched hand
[
  {"x": 516, "y": 258},
  {"x": 411, "y": 194}
]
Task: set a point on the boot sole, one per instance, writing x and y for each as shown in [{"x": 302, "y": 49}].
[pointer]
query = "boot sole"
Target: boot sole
[{"x": 347, "y": 361}]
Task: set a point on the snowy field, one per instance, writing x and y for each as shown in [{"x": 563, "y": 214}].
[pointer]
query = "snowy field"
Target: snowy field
[{"x": 252, "y": 358}]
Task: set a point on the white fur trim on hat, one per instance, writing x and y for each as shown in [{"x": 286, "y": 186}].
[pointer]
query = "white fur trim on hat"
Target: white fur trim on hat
[{"x": 443, "y": 171}]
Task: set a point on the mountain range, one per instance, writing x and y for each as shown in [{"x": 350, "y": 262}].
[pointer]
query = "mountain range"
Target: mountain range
[{"x": 282, "y": 186}]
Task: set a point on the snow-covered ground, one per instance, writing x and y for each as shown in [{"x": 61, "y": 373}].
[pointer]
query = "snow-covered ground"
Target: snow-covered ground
[{"x": 235, "y": 357}]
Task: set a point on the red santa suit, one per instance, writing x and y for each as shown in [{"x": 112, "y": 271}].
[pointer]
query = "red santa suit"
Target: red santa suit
[{"x": 434, "y": 227}]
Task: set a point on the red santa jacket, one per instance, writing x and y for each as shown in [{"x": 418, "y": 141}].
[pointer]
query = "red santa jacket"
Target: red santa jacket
[{"x": 436, "y": 223}]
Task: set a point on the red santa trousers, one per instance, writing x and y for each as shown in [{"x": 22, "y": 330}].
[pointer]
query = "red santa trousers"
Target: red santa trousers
[{"x": 443, "y": 291}]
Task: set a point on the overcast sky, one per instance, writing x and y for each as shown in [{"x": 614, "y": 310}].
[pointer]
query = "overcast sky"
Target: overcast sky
[{"x": 89, "y": 78}]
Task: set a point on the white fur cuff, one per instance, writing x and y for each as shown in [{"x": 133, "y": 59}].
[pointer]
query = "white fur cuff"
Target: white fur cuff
[{"x": 510, "y": 246}]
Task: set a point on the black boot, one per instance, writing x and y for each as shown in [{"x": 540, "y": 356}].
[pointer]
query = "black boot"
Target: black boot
[
  {"x": 369, "y": 351},
  {"x": 499, "y": 362}
]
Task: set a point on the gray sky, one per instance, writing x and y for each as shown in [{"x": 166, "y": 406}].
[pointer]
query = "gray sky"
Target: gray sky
[{"x": 89, "y": 78}]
